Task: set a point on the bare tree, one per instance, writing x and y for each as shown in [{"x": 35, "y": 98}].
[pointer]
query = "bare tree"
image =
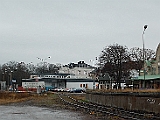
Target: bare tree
[
  {"x": 136, "y": 55},
  {"x": 113, "y": 60},
  {"x": 149, "y": 54},
  {"x": 15, "y": 70},
  {"x": 46, "y": 68}
]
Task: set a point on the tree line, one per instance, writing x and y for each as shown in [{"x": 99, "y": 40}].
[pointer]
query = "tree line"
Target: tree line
[
  {"x": 116, "y": 60},
  {"x": 13, "y": 70}
]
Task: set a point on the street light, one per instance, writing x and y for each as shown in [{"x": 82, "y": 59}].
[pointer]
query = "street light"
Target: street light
[{"x": 145, "y": 27}]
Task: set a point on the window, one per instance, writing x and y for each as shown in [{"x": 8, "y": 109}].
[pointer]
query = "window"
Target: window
[
  {"x": 68, "y": 76},
  {"x": 158, "y": 70},
  {"x": 79, "y": 72},
  {"x": 153, "y": 71},
  {"x": 86, "y": 85},
  {"x": 85, "y": 72}
]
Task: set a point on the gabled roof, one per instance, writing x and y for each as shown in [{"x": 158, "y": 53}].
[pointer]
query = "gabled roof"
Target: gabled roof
[
  {"x": 147, "y": 77},
  {"x": 105, "y": 77},
  {"x": 81, "y": 64}
]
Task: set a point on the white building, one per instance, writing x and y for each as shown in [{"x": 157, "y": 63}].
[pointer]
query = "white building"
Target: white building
[
  {"x": 81, "y": 83},
  {"x": 60, "y": 80},
  {"x": 29, "y": 83},
  {"x": 80, "y": 70}
]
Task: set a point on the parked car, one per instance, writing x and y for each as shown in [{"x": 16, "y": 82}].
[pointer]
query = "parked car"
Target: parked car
[
  {"x": 71, "y": 90},
  {"x": 58, "y": 90},
  {"x": 77, "y": 90},
  {"x": 54, "y": 89}
]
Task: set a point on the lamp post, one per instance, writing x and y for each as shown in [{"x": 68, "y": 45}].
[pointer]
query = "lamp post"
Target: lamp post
[
  {"x": 145, "y": 27},
  {"x": 93, "y": 65}
]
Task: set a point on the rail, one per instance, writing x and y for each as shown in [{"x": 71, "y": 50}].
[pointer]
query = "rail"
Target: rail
[{"x": 94, "y": 108}]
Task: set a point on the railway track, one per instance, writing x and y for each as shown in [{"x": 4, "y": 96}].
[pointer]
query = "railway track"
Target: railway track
[{"x": 103, "y": 110}]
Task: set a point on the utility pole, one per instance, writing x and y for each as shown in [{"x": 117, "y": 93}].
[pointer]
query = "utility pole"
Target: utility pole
[{"x": 144, "y": 70}]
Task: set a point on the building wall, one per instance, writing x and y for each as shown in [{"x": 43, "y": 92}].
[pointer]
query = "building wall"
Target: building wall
[
  {"x": 87, "y": 85},
  {"x": 33, "y": 84},
  {"x": 158, "y": 60},
  {"x": 59, "y": 81},
  {"x": 130, "y": 101},
  {"x": 79, "y": 72}
]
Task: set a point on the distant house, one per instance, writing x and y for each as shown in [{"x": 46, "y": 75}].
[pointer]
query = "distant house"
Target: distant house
[{"x": 106, "y": 82}]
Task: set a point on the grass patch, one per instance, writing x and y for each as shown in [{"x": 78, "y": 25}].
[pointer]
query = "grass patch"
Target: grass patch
[
  {"x": 46, "y": 99},
  {"x": 10, "y": 97}
]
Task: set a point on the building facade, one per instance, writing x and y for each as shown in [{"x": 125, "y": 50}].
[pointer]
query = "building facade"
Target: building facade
[
  {"x": 80, "y": 70},
  {"x": 158, "y": 60}
]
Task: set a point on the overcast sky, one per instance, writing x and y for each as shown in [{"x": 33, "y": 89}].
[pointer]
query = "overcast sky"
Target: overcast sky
[{"x": 73, "y": 30}]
